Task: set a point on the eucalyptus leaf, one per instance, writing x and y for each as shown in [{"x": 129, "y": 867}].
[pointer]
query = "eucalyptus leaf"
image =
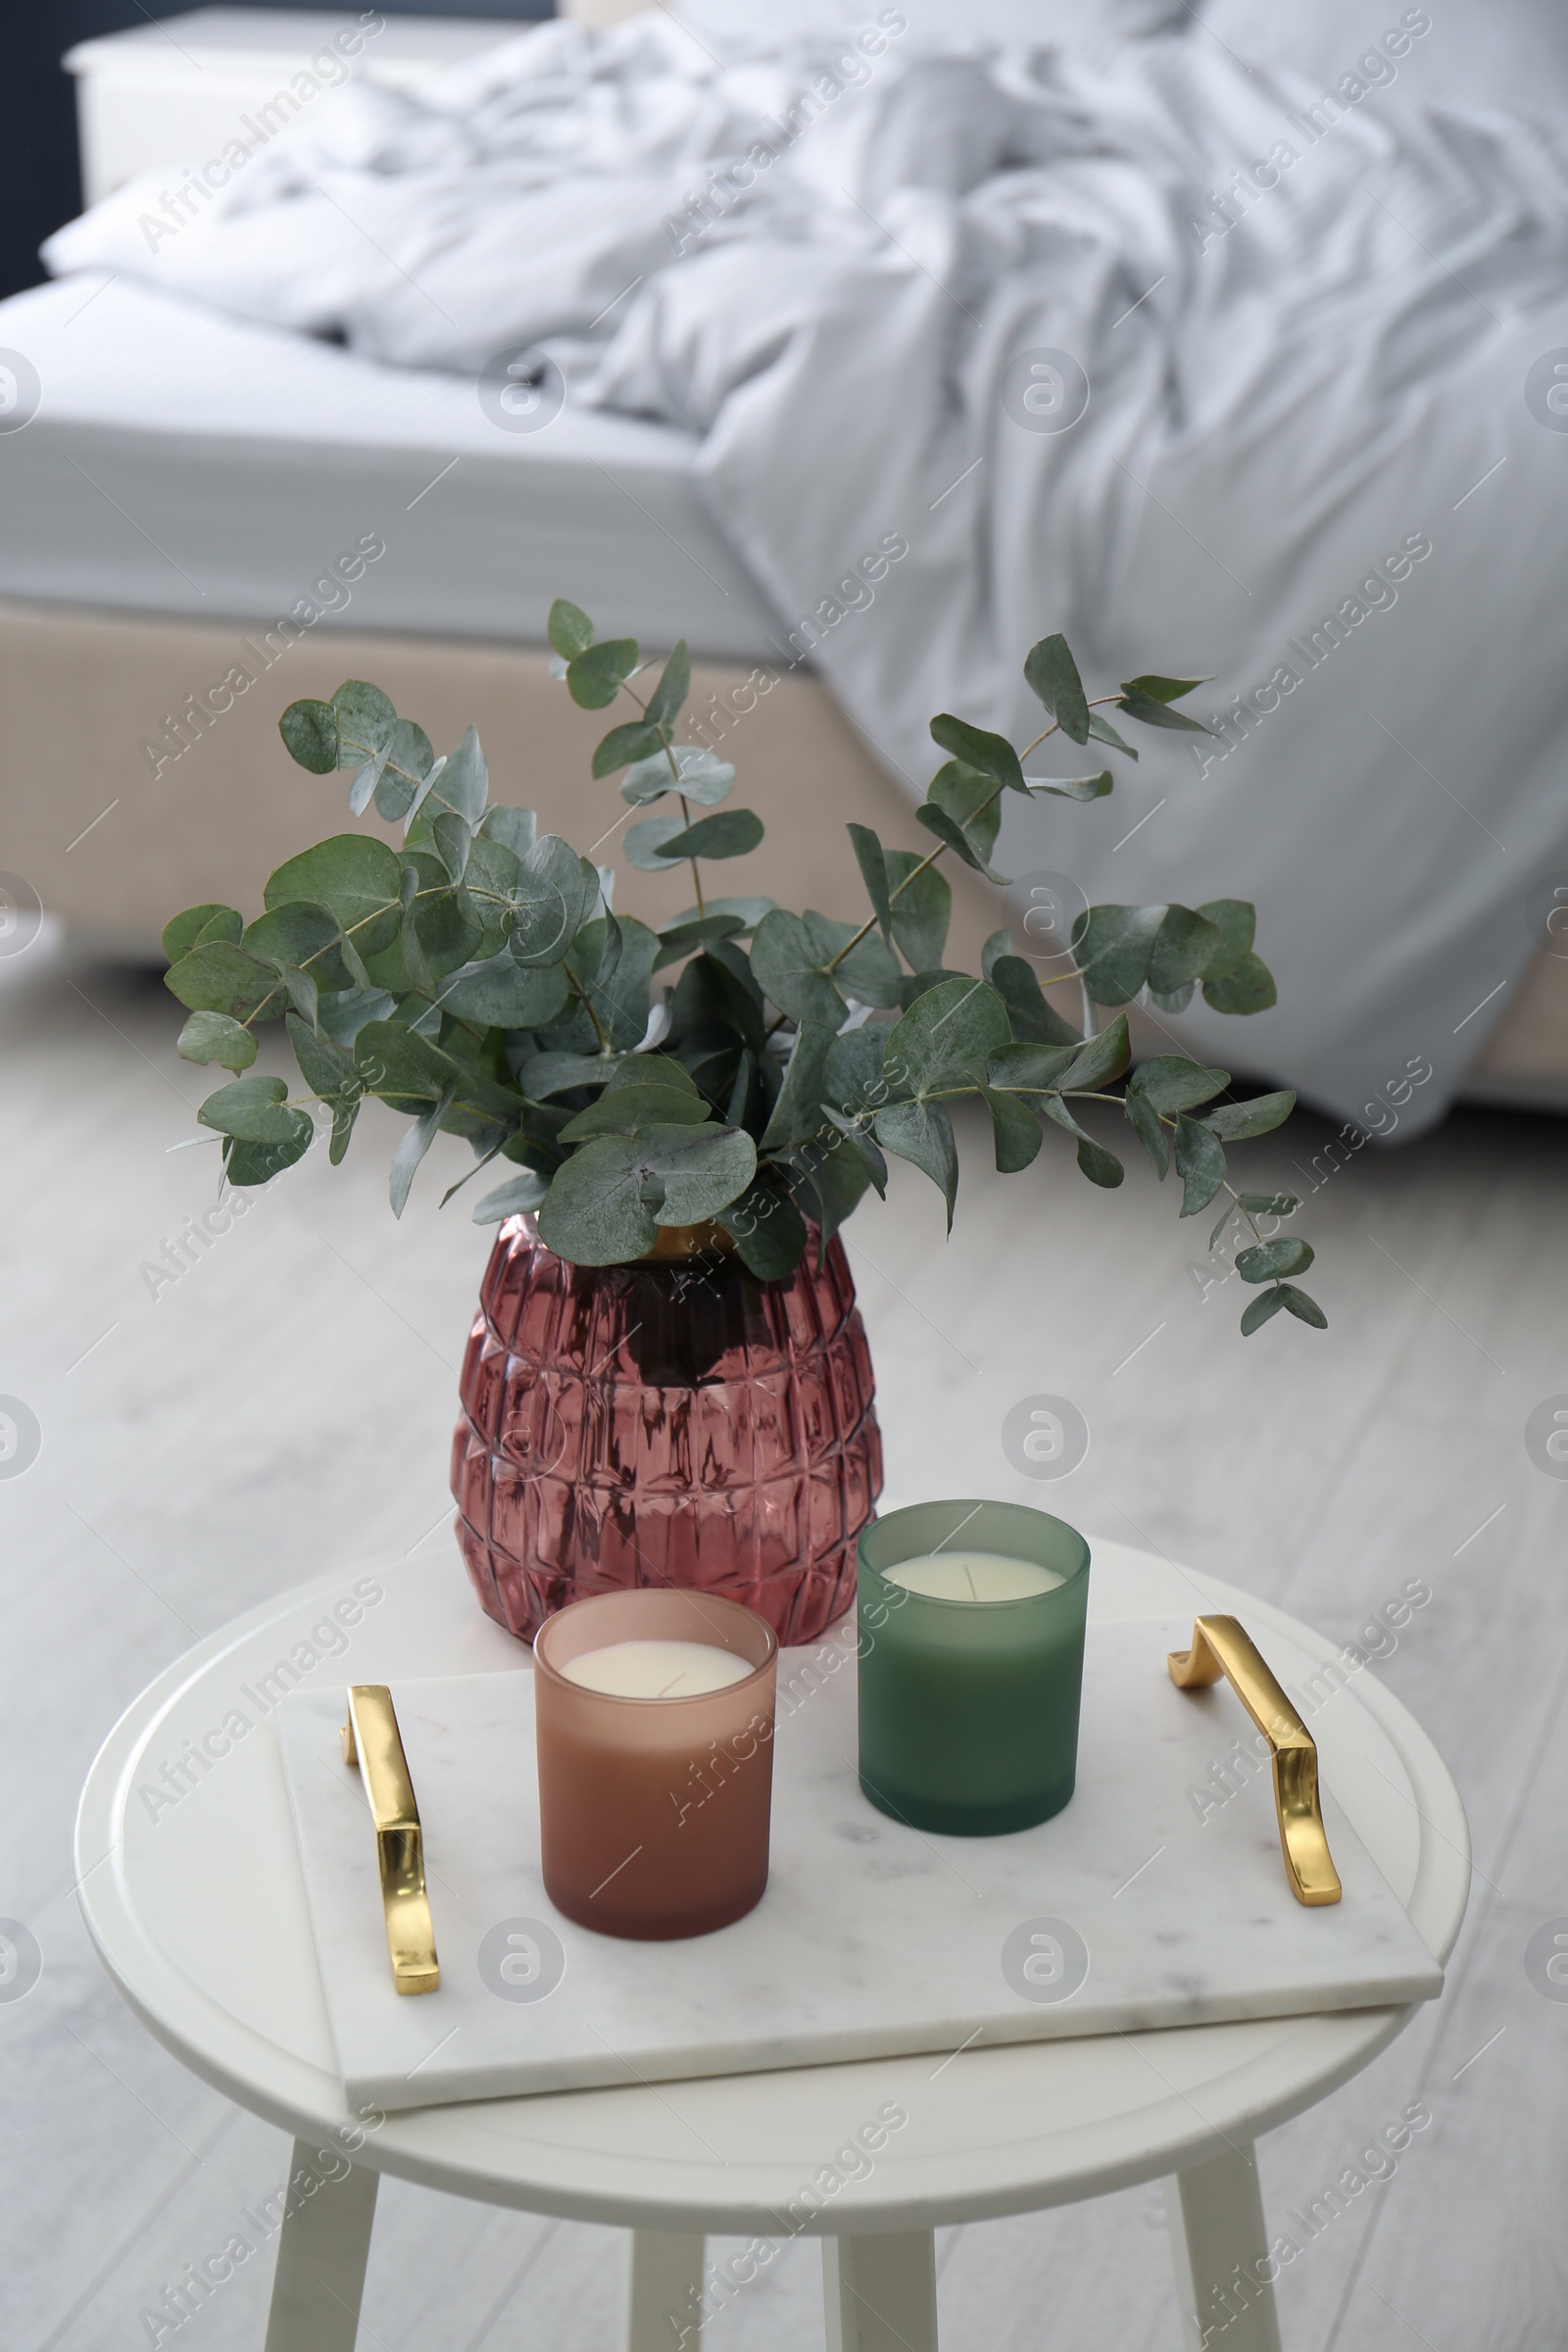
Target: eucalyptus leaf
[
  {"x": 852, "y": 1072},
  {"x": 954, "y": 836},
  {"x": 1151, "y": 711},
  {"x": 624, "y": 746},
  {"x": 542, "y": 1075},
  {"x": 1112, "y": 946},
  {"x": 595, "y": 677},
  {"x": 683, "y": 939},
  {"x": 221, "y": 978},
  {"x": 829, "y": 1183},
  {"x": 797, "y": 1112},
  {"x": 355, "y": 877},
  {"x": 1266, "y": 1262},
  {"x": 214, "y": 1037},
  {"x": 1259, "y": 1310},
  {"x": 515, "y": 829},
  {"x": 788, "y": 963},
  {"x": 874, "y": 875},
  {"x": 520, "y": 1196},
  {"x": 452, "y": 841},
  {"x": 1032, "y": 1069},
  {"x": 859, "y": 1142},
  {"x": 569, "y": 628},
  {"x": 331, "y": 1076},
  {"x": 769, "y": 1230},
  {"x": 246, "y": 1163},
  {"x": 403, "y": 762},
  {"x": 1051, "y": 675},
  {"x": 499, "y": 994},
  {"x": 187, "y": 929},
  {"x": 1183, "y": 946},
  {"x": 1034, "y": 1021},
  {"x": 923, "y": 1134},
  {"x": 1145, "y": 1121},
  {"x": 1074, "y": 788},
  {"x": 651, "y": 1069},
  {"x": 415, "y": 1143},
  {"x": 256, "y": 1110},
  {"x": 1101, "y": 731},
  {"x": 732, "y": 833},
  {"x": 1233, "y": 1121},
  {"x": 1165, "y": 690},
  {"x": 310, "y": 732},
  {"x": 989, "y": 754},
  {"x": 366, "y": 721},
  {"x": 613, "y": 961},
  {"x": 1100, "y": 1166},
  {"x": 1250, "y": 988},
  {"x": 1303, "y": 1309},
  {"x": 945, "y": 1042},
  {"x": 303, "y": 993},
  {"x": 698, "y": 774},
  {"x": 1200, "y": 1164},
  {"x": 669, "y": 698},
  {"x": 548, "y": 902},
  {"x": 1017, "y": 1131},
  {"x": 1175, "y": 1082},
  {"x": 299, "y": 934},
  {"x": 596, "y": 1213},
  {"x": 645, "y": 842},
  {"x": 1102, "y": 1058},
  {"x": 921, "y": 904},
  {"x": 625, "y": 1110},
  {"x": 1235, "y": 921}
]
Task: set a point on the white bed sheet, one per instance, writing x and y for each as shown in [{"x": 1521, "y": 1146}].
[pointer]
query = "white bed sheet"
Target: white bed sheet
[{"x": 182, "y": 462}]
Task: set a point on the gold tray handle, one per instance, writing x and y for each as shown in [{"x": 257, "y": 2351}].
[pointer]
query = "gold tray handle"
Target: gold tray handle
[
  {"x": 371, "y": 1740},
  {"x": 1221, "y": 1645}
]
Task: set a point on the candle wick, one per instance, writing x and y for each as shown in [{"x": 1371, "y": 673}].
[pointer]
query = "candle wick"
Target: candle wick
[
  {"x": 670, "y": 1687},
  {"x": 969, "y": 1573}
]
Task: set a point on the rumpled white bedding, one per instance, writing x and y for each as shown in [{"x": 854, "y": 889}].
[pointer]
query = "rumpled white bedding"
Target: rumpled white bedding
[{"x": 1313, "y": 408}]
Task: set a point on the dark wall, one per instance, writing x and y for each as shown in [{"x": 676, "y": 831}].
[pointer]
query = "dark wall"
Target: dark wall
[{"x": 40, "y": 185}]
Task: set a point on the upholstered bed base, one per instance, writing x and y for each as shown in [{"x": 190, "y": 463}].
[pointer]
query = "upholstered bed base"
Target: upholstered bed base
[{"x": 142, "y": 776}]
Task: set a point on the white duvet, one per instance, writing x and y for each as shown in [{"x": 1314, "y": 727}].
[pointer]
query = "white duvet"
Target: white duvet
[{"x": 1151, "y": 352}]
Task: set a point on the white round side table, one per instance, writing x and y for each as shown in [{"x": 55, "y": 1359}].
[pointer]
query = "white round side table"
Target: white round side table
[{"x": 197, "y": 1907}]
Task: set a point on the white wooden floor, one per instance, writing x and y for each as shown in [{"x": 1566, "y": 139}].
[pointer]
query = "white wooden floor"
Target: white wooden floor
[{"x": 287, "y": 1406}]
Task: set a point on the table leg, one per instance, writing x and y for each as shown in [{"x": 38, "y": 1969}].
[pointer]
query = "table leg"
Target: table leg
[
  {"x": 881, "y": 2292},
  {"x": 666, "y": 2292},
  {"x": 1219, "y": 2242},
  {"x": 322, "y": 2254}
]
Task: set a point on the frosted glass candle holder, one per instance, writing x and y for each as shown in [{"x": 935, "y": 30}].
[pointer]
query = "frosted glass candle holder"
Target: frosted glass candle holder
[
  {"x": 969, "y": 1707},
  {"x": 654, "y": 1812}
]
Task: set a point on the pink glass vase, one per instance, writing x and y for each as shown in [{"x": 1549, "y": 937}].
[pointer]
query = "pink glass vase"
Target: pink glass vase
[{"x": 665, "y": 1424}]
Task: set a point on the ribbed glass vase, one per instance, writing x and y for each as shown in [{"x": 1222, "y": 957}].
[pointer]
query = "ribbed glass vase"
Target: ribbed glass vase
[{"x": 676, "y": 1423}]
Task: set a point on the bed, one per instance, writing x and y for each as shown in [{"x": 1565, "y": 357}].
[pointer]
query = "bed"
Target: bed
[{"x": 203, "y": 498}]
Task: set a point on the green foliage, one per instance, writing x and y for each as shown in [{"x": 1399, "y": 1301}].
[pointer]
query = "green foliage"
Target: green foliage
[{"x": 477, "y": 980}]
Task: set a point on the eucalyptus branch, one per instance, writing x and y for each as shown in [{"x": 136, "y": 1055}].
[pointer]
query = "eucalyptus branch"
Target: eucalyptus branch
[{"x": 513, "y": 929}]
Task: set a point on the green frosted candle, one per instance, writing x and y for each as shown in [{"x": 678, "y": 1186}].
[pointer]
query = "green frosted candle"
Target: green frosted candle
[{"x": 971, "y": 1671}]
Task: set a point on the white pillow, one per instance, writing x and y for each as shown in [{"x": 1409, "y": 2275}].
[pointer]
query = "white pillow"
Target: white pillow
[
  {"x": 1509, "y": 54},
  {"x": 1035, "y": 23}
]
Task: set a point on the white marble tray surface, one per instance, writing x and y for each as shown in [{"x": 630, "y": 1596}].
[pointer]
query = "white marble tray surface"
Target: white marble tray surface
[{"x": 1127, "y": 1910}]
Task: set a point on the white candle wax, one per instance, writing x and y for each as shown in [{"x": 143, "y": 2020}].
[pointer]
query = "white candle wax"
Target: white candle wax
[
  {"x": 657, "y": 1669},
  {"x": 973, "y": 1576}
]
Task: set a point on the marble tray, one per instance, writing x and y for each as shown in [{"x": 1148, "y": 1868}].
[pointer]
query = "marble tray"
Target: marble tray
[{"x": 1137, "y": 1906}]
